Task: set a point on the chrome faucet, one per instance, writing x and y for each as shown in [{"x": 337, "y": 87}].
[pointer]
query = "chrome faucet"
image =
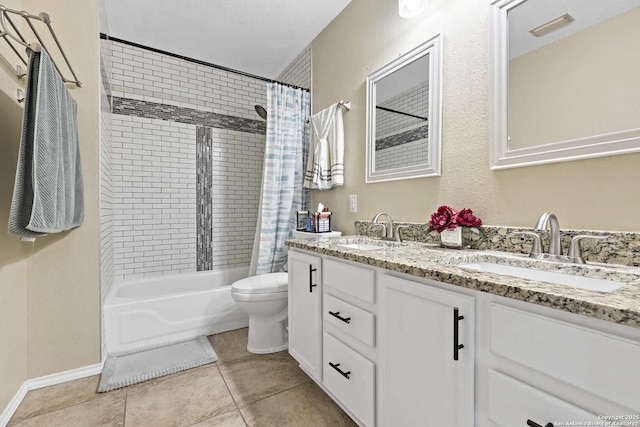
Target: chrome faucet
[
  {"x": 387, "y": 229},
  {"x": 555, "y": 249}
]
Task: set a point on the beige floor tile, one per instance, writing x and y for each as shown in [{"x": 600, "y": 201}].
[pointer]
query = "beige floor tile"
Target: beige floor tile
[
  {"x": 230, "y": 345},
  {"x": 107, "y": 409},
  {"x": 230, "y": 419},
  {"x": 48, "y": 399},
  {"x": 258, "y": 376},
  {"x": 181, "y": 399},
  {"x": 306, "y": 405}
]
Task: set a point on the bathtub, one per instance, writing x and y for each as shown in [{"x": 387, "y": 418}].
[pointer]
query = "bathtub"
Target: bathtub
[{"x": 147, "y": 312}]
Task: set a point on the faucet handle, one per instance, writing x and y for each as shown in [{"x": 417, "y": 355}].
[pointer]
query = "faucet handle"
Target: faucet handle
[
  {"x": 536, "y": 249},
  {"x": 574, "y": 253},
  {"x": 398, "y": 232}
]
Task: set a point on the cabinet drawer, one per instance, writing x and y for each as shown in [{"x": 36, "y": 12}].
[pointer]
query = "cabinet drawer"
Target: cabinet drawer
[
  {"x": 512, "y": 403},
  {"x": 353, "y": 280},
  {"x": 356, "y": 393},
  {"x": 353, "y": 320},
  {"x": 582, "y": 357}
]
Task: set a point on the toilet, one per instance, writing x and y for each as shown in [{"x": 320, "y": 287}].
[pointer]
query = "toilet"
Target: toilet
[{"x": 264, "y": 299}]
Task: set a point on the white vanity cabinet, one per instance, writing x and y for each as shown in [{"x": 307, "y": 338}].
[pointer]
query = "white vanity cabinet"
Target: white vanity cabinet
[
  {"x": 305, "y": 316},
  {"x": 426, "y": 365},
  {"x": 349, "y": 352},
  {"x": 544, "y": 368}
]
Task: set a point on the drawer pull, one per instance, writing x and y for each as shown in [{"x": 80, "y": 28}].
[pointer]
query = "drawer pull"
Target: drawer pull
[
  {"x": 311, "y": 285},
  {"x": 344, "y": 374},
  {"x": 337, "y": 314},
  {"x": 456, "y": 347},
  {"x": 534, "y": 424}
]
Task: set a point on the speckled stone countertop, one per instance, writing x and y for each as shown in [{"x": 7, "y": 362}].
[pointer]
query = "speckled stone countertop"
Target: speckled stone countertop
[{"x": 431, "y": 262}]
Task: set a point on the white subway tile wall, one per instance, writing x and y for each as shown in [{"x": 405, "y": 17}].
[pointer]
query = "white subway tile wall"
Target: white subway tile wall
[
  {"x": 106, "y": 184},
  {"x": 150, "y": 76},
  {"x": 237, "y": 178},
  {"x": 180, "y": 93},
  {"x": 298, "y": 73},
  {"x": 154, "y": 197}
]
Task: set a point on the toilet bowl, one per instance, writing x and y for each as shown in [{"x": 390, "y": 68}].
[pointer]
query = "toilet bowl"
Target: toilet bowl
[{"x": 264, "y": 299}]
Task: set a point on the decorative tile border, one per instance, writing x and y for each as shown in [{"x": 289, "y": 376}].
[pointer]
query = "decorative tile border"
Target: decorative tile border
[
  {"x": 154, "y": 110},
  {"x": 619, "y": 248},
  {"x": 204, "y": 215},
  {"x": 421, "y": 132}
]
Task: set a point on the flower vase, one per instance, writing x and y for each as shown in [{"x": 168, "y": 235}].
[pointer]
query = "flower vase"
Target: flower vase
[{"x": 451, "y": 238}]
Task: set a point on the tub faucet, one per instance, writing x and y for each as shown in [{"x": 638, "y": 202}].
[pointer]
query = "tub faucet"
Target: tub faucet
[
  {"x": 387, "y": 230},
  {"x": 550, "y": 219}
]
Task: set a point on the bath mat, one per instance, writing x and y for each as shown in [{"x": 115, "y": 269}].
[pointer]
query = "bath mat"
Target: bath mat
[{"x": 136, "y": 366}]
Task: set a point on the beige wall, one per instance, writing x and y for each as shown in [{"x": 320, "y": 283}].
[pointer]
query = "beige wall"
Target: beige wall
[
  {"x": 13, "y": 254},
  {"x": 49, "y": 292},
  {"x": 583, "y": 85},
  {"x": 369, "y": 34}
]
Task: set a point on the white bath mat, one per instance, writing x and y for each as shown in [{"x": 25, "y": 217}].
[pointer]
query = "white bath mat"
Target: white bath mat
[{"x": 132, "y": 367}]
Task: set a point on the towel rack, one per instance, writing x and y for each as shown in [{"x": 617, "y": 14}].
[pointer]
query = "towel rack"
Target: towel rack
[
  {"x": 345, "y": 104},
  {"x": 14, "y": 36}
]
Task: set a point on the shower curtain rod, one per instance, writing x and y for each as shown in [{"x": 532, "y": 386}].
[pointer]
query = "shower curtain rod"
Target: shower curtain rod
[
  {"x": 400, "y": 112},
  {"x": 104, "y": 36}
]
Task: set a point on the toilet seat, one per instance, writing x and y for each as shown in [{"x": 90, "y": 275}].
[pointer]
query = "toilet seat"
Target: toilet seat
[{"x": 271, "y": 283}]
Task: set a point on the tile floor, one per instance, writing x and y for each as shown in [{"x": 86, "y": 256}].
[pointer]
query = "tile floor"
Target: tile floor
[{"x": 240, "y": 389}]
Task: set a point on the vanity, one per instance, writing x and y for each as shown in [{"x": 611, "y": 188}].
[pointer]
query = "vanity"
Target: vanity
[{"x": 406, "y": 333}]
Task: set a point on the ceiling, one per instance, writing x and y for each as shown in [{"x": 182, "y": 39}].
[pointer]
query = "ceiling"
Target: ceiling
[
  {"x": 532, "y": 13},
  {"x": 256, "y": 37}
]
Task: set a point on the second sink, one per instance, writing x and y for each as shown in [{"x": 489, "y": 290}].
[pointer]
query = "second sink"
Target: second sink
[{"x": 576, "y": 281}]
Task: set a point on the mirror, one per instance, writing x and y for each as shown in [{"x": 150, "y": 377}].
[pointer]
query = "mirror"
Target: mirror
[
  {"x": 564, "y": 80},
  {"x": 404, "y": 111}
]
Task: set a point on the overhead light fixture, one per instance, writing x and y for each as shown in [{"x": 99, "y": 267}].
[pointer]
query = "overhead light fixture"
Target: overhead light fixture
[
  {"x": 411, "y": 8},
  {"x": 553, "y": 25}
]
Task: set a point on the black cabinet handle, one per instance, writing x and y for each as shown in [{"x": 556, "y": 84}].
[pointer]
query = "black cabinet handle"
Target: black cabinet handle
[
  {"x": 337, "y": 314},
  {"x": 335, "y": 366},
  {"x": 311, "y": 285},
  {"x": 534, "y": 424},
  {"x": 456, "y": 319}
]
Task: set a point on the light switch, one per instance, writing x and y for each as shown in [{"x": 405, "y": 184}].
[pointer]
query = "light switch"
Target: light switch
[{"x": 353, "y": 203}]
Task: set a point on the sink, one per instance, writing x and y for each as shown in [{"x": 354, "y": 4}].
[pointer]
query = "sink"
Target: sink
[
  {"x": 361, "y": 246},
  {"x": 366, "y": 243},
  {"x": 574, "y": 280}
]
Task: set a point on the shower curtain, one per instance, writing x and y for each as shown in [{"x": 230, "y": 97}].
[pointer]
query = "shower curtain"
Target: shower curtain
[{"x": 282, "y": 176}]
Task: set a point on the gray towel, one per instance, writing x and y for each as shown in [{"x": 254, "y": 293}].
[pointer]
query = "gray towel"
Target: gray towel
[{"x": 48, "y": 192}]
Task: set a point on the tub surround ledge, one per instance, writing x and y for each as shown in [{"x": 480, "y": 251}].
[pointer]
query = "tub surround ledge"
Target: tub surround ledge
[{"x": 426, "y": 260}]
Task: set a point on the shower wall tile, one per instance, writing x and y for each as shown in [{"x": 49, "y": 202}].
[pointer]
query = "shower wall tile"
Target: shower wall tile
[
  {"x": 154, "y": 110},
  {"x": 204, "y": 229},
  {"x": 237, "y": 159},
  {"x": 106, "y": 185},
  {"x": 154, "y": 197},
  {"x": 150, "y": 76},
  {"x": 150, "y": 90},
  {"x": 298, "y": 73}
]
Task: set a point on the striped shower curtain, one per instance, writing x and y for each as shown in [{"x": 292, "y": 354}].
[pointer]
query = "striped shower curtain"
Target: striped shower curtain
[{"x": 283, "y": 173}]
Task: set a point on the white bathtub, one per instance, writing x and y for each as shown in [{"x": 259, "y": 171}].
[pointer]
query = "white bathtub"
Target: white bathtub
[{"x": 146, "y": 312}]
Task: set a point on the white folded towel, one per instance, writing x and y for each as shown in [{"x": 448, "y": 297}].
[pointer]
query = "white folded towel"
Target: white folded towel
[{"x": 325, "y": 167}]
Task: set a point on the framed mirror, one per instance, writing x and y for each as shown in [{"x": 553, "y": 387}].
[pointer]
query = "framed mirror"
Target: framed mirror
[
  {"x": 404, "y": 110},
  {"x": 564, "y": 80}
]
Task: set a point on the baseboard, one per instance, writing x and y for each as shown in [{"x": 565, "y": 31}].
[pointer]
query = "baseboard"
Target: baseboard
[
  {"x": 46, "y": 381},
  {"x": 13, "y": 405}
]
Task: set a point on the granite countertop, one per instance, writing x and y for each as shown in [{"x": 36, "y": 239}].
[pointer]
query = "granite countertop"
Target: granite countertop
[{"x": 429, "y": 261}]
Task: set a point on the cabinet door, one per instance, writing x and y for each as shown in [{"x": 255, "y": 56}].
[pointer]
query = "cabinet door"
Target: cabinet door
[
  {"x": 305, "y": 312},
  {"x": 421, "y": 383}
]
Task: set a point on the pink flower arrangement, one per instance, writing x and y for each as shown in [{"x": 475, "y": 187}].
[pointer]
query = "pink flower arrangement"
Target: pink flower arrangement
[{"x": 446, "y": 218}]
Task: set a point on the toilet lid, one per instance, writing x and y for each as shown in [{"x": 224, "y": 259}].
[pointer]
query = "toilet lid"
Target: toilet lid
[{"x": 262, "y": 284}]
